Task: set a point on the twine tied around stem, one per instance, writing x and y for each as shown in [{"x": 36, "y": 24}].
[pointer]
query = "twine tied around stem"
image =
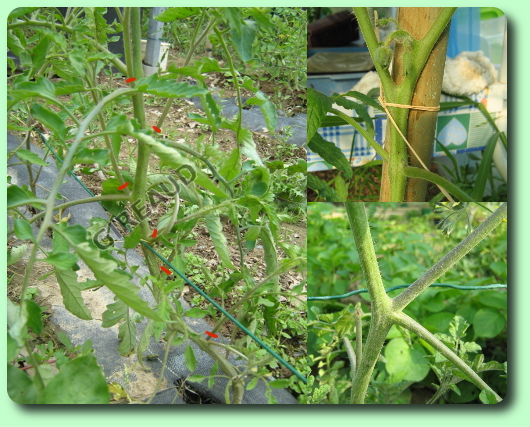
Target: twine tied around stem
[{"x": 385, "y": 106}]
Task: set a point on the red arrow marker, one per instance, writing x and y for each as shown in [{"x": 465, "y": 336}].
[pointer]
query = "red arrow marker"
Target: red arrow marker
[
  {"x": 211, "y": 334},
  {"x": 130, "y": 80},
  {"x": 165, "y": 270},
  {"x": 121, "y": 187},
  {"x": 155, "y": 233},
  {"x": 156, "y": 129}
]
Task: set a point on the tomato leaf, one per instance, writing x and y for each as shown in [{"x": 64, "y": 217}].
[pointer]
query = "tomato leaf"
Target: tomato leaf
[
  {"x": 127, "y": 337},
  {"x": 114, "y": 313},
  {"x": 61, "y": 260},
  {"x": 318, "y": 105},
  {"x": 133, "y": 238},
  {"x": 79, "y": 381},
  {"x": 189, "y": 358},
  {"x": 196, "y": 313},
  {"x": 49, "y": 119},
  {"x": 23, "y": 229},
  {"x": 30, "y": 156},
  {"x": 168, "y": 88},
  {"x": 215, "y": 228},
  {"x": 71, "y": 293},
  {"x": 173, "y": 13},
  {"x": 331, "y": 154},
  {"x": 118, "y": 281}
]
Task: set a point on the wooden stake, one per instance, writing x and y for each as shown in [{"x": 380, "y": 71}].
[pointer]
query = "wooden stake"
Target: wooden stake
[{"x": 422, "y": 124}]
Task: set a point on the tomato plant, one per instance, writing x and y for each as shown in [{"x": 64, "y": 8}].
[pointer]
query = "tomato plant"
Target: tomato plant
[
  {"x": 410, "y": 65},
  {"x": 92, "y": 109},
  {"x": 365, "y": 350}
]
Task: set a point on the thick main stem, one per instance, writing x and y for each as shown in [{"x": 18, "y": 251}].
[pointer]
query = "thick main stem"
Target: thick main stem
[
  {"x": 394, "y": 180},
  {"x": 381, "y": 304},
  {"x": 379, "y": 327},
  {"x": 386, "y": 312},
  {"x": 368, "y": 260},
  {"x": 133, "y": 51},
  {"x": 409, "y": 62}
]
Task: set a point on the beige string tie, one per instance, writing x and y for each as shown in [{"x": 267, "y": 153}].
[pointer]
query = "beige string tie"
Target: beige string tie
[
  {"x": 385, "y": 104},
  {"x": 409, "y": 107}
]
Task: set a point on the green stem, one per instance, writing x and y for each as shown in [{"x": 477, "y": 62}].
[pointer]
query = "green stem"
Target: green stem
[
  {"x": 373, "y": 143},
  {"x": 381, "y": 303},
  {"x": 366, "y": 27},
  {"x": 163, "y": 368},
  {"x": 31, "y": 356},
  {"x": 193, "y": 46},
  {"x": 398, "y": 156},
  {"x": 235, "y": 78},
  {"x": 352, "y": 359},
  {"x": 358, "y": 333},
  {"x": 386, "y": 311},
  {"x": 66, "y": 165},
  {"x": 426, "y": 44},
  {"x": 367, "y": 258},
  {"x": 451, "y": 258},
  {"x": 271, "y": 265},
  {"x": 395, "y": 179},
  {"x": 29, "y": 167},
  {"x": 133, "y": 52},
  {"x": 238, "y": 388},
  {"x": 103, "y": 198},
  {"x": 205, "y": 160},
  {"x": 407, "y": 322},
  {"x": 106, "y": 138},
  {"x": 379, "y": 327},
  {"x": 203, "y": 211}
]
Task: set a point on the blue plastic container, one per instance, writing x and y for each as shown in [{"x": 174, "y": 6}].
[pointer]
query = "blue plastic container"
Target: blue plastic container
[{"x": 464, "y": 33}]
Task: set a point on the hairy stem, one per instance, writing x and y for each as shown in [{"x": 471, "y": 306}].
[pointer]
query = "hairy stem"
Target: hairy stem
[
  {"x": 379, "y": 327},
  {"x": 407, "y": 322},
  {"x": 358, "y": 333},
  {"x": 352, "y": 359},
  {"x": 451, "y": 258},
  {"x": 380, "y": 322},
  {"x": 368, "y": 260}
]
